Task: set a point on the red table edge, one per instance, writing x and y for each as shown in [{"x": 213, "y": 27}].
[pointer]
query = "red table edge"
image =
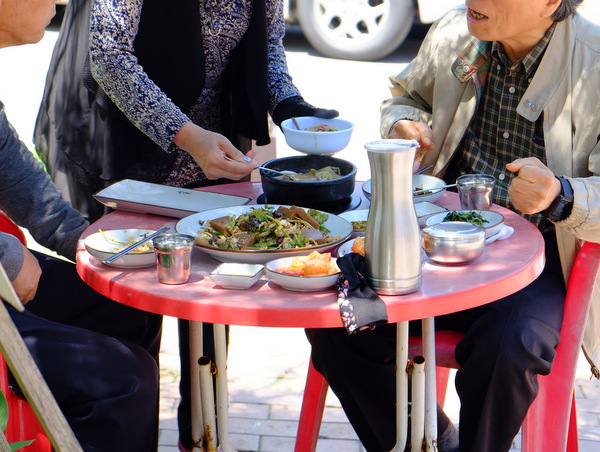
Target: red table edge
[{"x": 304, "y": 317}]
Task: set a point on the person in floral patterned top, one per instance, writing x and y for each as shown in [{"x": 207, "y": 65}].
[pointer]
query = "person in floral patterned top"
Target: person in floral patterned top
[{"x": 161, "y": 91}]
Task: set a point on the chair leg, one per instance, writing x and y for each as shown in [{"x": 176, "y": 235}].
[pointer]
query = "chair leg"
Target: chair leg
[
  {"x": 442, "y": 376},
  {"x": 572, "y": 441},
  {"x": 311, "y": 414}
]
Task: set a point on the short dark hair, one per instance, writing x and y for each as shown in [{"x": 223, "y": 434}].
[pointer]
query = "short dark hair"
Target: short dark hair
[{"x": 565, "y": 9}]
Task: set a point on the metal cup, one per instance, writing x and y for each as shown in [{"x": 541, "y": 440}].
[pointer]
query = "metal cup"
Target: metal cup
[
  {"x": 173, "y": 254},
  {"x": 475, "y": 191}
]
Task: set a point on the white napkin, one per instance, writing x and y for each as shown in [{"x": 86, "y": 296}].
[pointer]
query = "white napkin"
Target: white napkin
[{"x": 504, "y": 233}]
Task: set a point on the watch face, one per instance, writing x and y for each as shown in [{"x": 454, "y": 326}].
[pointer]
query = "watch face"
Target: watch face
[{"x": 562, "y": 205}]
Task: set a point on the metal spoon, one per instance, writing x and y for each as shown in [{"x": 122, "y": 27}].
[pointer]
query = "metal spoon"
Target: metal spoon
[
  {"x": 418, "y": 192},
  {"x": 286, "y": 173}
]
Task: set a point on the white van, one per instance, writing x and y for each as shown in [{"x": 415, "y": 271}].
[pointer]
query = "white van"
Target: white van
[{"x": 361, "y": 29}]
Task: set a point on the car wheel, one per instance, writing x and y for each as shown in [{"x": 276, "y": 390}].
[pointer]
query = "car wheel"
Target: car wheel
[{"x": 356, "y": 29}]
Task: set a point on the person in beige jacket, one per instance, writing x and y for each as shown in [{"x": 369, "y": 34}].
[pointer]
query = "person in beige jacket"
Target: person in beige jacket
[{"x": 508, "y": 88}]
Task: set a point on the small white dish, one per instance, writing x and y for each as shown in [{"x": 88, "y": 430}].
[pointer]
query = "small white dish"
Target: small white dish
[
  {"x": 298, "y": 283},
  {"x": 426, "y": 209},
  {"x": 358, "y": 220},
  {"x": 317, "y": 142},
  {"x": 420, "y": 182},
  {"x": 345, "y": 248},
  {"x": 105, "y": 244},
  {"x": 493, "y": 221},
  {"x": 232, "y": 275}
]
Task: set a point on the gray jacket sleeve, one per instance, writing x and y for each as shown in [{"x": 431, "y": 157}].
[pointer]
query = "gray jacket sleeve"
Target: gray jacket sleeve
[
  {"x": 11, "y": 255},
  {"x": 30, "y": 199}
]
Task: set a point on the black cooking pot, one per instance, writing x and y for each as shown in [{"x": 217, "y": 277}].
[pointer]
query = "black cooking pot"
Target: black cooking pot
[{"x": 321, "y": 195}]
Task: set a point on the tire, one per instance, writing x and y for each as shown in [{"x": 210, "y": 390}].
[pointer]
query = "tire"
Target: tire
[{"x": 356, "y": 29}]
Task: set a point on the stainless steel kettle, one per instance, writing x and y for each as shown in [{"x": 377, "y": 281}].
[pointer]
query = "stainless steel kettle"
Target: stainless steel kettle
[{"x": 392, "y": 238}]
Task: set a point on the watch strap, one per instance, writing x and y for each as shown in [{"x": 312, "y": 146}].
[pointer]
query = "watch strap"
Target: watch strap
[{"x": 563, "y": 204}]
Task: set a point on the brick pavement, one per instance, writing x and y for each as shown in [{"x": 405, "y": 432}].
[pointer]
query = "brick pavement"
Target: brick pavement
[{"x": 267, "y": 370}]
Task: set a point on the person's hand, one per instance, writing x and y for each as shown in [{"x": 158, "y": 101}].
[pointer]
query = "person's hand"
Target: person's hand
[
  {"x": 26, "y": 282},
  {"x": 411, "y": 130},
  {"x": 297, "y": 106},
  {"x": 214, "y": 153},
  {"x": 534, "y": 188}
]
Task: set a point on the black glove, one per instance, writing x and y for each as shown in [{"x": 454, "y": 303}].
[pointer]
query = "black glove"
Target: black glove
[
  {"x": 360, "y": 307},
  {"x": 297, "y": 106}
]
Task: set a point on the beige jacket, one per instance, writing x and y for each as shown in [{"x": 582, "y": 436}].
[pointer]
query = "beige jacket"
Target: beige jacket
[{"x": 566, "y": 88}]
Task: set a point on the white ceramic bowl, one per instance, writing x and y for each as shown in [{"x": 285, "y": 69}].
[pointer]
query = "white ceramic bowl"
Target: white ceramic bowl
[
  {"x": 103, "y": 245},
  {"x": 298, "y": 283},
  {"x": 420, "y": 182},
  {"x": 233, "y": 275},
  {"x": 311, "y": 142},
  {"x": 493, "y": 221},
  {"x": 358, "y": 220},
  {"x": 426, "y": 209},
  {"x": 345, "y": 248}
]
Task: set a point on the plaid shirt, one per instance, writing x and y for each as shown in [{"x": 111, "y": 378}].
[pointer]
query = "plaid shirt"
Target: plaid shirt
[{"x": 498, "y": 134}]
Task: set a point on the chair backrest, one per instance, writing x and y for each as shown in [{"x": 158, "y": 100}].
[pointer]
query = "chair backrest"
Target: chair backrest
[
  {"x": 22, "y": 422},
  {"x": 9, "y": 226},
  {"x": 548, "y": 417}
]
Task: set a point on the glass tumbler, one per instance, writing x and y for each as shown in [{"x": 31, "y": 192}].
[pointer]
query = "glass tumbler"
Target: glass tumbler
[{"x": 475, "y": 191}]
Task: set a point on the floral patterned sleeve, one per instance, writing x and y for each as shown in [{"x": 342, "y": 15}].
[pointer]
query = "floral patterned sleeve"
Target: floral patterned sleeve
[
  {"x": 113, "y": 28},
  {"x": 279, "y": 79}
]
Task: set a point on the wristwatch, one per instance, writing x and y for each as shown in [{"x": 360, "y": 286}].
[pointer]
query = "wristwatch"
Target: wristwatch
[{"x": 563, "y": 203}]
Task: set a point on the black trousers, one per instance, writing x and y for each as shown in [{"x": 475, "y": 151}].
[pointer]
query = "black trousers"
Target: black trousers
[
  {"x": 98, "y": 357},
  {"x": 506, "y": 344}
]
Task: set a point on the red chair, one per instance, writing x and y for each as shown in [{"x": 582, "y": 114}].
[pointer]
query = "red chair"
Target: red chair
[
  {"x": 9, "y": 227},
  {"x": 551, "y": 423},
  {"x": 22, "y": 423}
]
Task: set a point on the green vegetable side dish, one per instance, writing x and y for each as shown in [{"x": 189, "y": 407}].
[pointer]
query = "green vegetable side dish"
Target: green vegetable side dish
[
  {"x": 265, "y": 228},
  {"x": 468, "y": 217}
]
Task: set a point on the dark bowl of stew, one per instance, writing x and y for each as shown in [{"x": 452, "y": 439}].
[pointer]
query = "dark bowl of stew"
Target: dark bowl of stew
[{"x": 321, "y": 182}]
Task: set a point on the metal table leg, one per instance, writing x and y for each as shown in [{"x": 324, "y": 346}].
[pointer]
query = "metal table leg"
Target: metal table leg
[
  {"x": 196, "y": 351},
  {"x": 430, "y": 400},
  {"x": 203, "y": 398},
  {"x": 430, "y": 385},
  {"x": 222, "y": 390},
  {"x": 401, "y": 386}
]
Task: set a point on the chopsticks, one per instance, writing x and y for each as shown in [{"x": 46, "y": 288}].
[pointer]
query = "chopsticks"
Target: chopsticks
[
  {"x": 423, "y": 169},
  {"x": 123, "y": 252}
]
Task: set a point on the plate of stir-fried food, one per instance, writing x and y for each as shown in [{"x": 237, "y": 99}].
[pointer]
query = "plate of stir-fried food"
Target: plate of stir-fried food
[{"x": 257, "y": 234}]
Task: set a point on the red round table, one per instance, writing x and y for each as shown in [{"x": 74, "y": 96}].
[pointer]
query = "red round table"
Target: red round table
[{"x": 505, "y": 267}]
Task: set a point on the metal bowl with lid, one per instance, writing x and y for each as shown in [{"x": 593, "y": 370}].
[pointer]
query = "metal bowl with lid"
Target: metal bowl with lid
[{"x": 453, "y": 242}]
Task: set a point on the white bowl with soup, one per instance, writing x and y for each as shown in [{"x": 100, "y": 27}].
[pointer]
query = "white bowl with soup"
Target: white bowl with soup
[{"x": 317, "y": 136}]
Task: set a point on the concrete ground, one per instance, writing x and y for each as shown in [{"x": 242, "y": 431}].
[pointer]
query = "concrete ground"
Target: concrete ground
[{"x": 266, "y": 374}]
